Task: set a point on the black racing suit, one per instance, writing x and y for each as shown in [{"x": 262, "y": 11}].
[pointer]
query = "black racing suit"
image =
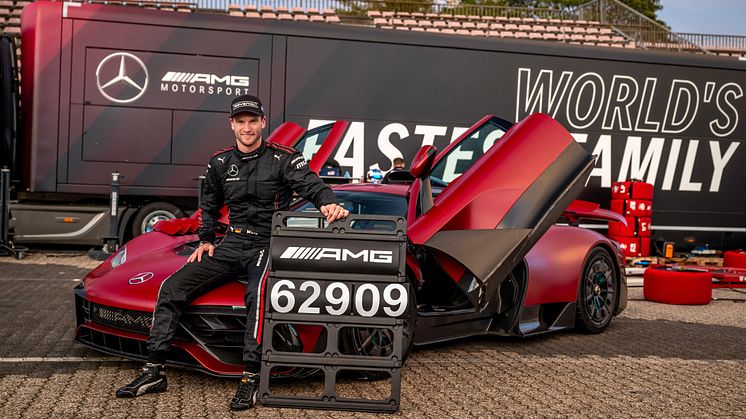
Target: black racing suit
[{"x": 253, "y": 186}]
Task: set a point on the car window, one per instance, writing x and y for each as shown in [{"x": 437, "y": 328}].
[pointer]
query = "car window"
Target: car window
[
  {"x": 368, "y": 203},
  {"x": 460, "y": 158},
  {"x": 311, "y": 141}
]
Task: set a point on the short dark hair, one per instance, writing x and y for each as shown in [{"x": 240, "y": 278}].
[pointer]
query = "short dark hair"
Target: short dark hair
[{"x": 398, "y": 161}]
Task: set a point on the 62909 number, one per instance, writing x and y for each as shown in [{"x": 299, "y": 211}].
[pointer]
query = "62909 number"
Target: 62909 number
[{"x": 338, "y": 298}]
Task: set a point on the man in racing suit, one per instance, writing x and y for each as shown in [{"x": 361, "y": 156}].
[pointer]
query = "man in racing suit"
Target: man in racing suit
[{"x": 254, "y": 178}]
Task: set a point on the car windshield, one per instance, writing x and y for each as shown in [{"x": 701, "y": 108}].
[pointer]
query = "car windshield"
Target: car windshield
[
  {"x": 460, "y": 158},
  {"x": 371, "y": 203}
]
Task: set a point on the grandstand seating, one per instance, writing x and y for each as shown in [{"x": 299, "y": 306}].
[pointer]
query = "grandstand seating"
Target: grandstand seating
[
  {"x": 573, "y": 31},
  {"x": 285, "y": 13},
  {"x": 570, "y": 31}
]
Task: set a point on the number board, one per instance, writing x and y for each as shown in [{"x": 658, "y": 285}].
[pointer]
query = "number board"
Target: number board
[{"x": 337, "y": 298}]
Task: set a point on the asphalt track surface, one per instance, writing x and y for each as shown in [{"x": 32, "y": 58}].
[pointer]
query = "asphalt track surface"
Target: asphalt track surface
[{"x": 655, "y": 360}]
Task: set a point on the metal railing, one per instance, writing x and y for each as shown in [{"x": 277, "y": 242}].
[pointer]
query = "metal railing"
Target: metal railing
[
  {"x": 716, "y": 42},
  {"x": 304, "y": 4},
  {"x": 646, "y": 32}
]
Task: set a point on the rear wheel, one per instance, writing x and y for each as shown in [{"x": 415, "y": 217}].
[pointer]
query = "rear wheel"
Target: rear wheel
[
  {"x": 598, "y": 293},
  {"x": 150, "y": 214}
]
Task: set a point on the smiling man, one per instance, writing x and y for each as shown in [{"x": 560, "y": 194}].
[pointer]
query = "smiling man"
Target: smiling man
[{"x": 254, "y": 178}]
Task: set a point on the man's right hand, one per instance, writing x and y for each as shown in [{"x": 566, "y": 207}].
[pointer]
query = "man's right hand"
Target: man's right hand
[{"x": 203, "y": 247}]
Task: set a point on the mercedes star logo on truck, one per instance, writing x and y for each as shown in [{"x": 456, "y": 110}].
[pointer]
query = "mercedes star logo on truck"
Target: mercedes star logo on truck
[{"x": 127, "y": 70}]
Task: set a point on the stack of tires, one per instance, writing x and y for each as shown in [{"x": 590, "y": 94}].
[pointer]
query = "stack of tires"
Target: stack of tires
[{"x": 634, "y": 200}]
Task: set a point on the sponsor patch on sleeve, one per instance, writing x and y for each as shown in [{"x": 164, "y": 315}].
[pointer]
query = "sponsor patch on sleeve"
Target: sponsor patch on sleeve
[{"x": 298, "y": 162}]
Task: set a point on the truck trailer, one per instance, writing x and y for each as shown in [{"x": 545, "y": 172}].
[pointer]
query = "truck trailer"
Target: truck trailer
[{"x": 145, "y": 93}]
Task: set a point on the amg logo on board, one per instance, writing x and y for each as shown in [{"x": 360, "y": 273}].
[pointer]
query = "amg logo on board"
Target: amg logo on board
[{"x": 341, "y": 255}]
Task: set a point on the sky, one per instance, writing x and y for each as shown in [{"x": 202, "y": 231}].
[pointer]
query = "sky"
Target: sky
[{"x": 724, "y": 17}]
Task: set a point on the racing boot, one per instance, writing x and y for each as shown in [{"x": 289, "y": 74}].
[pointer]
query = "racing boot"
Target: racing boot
[
  {"x": 151, "y": 380},
  {"x": 246, "y": 394}
]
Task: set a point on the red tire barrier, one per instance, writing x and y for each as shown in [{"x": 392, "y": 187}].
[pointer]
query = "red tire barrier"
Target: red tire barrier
[
  {"x": 629, "y": 246},
  {"x": 632, "y": 207},
  {"x": 734, "y": 259},
  {"x": 645, "y": 246},
  {"x": 677, "y": 286},
  {"x": 636, "y": 227},
  {"x": 632, "y": 189}
]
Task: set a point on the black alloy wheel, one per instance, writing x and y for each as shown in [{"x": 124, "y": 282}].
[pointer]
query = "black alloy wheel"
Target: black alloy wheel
[{"x": 599, "y": 292}]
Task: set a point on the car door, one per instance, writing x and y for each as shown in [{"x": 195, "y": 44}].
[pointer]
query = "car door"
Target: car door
[{"x": 502, "y": 187}]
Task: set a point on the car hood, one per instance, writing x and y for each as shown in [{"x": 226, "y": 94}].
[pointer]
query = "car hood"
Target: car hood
[{"x": 150, "y": 260}]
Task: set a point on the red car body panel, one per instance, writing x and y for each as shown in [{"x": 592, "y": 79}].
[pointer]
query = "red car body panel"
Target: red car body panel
[
  {"x": 480, "y": 198},
  {"x": 554, "y": 266},
  {"x": 286, "y": 134},
  {"x": 157, "y": 257},
  {"x": 196, "y": 351}
]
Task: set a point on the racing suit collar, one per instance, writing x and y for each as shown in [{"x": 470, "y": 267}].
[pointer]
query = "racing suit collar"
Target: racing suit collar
[{"x": 250, "y": 156}]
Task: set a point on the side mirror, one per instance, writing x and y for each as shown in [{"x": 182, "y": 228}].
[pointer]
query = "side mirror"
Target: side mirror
[{"x": 422, "y": 163}]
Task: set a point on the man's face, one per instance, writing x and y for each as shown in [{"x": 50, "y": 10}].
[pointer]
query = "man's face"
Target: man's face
[{"x": 248, "y": 129}]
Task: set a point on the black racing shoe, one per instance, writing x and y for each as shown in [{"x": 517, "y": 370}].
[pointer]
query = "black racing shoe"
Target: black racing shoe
[
  {"x": 246, "y": 394},
  {"x": 151, "y": 380}
]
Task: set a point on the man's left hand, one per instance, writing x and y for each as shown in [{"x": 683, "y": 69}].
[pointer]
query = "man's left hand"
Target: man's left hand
[{"x": 334, "y": 212}]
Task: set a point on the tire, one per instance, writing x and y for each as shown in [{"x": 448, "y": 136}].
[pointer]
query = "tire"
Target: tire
[
  {"x": 148, "y": 215},
  {"x": 734, "y": 259},
  {"x": 373, "y": 342},
  {"x": 598, "y": 293},
  {"x": 677, "y": 286}
]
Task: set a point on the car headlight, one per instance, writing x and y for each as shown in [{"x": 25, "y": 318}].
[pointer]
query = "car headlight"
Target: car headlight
[{"x": 119, "y": 258}]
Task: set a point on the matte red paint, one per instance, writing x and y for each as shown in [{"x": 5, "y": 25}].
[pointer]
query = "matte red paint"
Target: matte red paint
[
  {"x": 286, "y": 134},
  {"x": 197, "y": 352},
  {"x": 555, "y": 264},
  {"x": 482, "y": 196}
]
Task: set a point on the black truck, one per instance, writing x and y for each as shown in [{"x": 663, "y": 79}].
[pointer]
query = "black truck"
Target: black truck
[{"x": 144, "y": 93}]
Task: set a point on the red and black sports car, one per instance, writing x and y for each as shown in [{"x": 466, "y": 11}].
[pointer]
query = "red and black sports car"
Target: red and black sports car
[{"x": 485, "y": 254}]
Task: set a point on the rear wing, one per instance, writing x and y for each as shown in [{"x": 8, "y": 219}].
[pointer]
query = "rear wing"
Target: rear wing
[{"x": 578, "y": 210}]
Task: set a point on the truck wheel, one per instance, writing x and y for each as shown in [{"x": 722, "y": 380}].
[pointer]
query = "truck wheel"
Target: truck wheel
[
  {"x": 150, "y": 214},
  {"x": 598, "y": 293}
]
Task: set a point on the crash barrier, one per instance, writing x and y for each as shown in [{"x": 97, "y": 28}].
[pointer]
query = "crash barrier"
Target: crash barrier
[
  {"x": 342, "y": 292},
  {"x": 634, "y": 200}
]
